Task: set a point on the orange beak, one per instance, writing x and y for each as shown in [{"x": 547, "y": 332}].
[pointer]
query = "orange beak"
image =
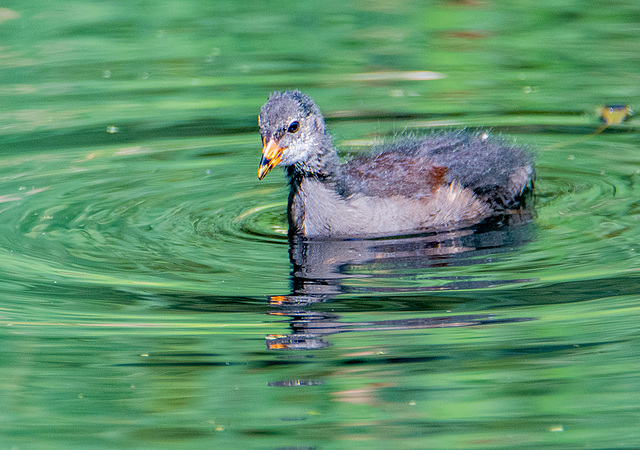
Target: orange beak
[{"x": 271, "y": 156}]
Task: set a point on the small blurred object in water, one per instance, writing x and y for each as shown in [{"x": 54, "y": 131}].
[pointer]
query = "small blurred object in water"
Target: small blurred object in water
[{"x": 615, "y": 114}]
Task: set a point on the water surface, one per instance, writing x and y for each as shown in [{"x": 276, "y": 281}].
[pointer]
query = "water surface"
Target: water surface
[{"x": 149, "y": 296}]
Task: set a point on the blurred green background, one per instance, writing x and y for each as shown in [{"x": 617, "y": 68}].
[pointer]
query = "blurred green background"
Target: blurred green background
[{"x": 141, "y": 260}]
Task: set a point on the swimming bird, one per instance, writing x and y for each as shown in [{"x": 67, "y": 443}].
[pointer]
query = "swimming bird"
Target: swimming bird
[{"x": 414, "y": 183}]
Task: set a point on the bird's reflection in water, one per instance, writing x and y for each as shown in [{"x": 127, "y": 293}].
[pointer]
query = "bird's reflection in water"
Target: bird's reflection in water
[{"x": 323, "y": 269}]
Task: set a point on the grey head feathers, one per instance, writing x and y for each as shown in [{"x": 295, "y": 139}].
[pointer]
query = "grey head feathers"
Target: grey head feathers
[
  {"x": 294, "y": 122},
  {"x": 282, "y": 108}
]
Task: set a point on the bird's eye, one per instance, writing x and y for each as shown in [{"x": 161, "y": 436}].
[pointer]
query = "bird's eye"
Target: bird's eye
[{"x": 294, "y": 127}]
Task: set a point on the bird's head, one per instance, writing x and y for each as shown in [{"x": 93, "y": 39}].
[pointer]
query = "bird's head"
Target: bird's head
[{"x": 292, "y": 130}]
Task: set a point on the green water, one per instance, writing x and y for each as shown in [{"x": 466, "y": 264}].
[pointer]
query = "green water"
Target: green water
[{"x": 149, "y": 297}]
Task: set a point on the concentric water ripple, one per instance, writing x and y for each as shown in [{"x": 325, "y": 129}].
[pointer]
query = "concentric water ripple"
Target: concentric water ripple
[
  {"x": 588, "y": 214},
  {"x": 134, "y": 217},
  {"x": 190, "y": 216}
]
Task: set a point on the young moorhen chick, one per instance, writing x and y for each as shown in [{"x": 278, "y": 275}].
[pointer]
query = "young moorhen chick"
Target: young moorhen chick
[{"x": 416, "y": 183}]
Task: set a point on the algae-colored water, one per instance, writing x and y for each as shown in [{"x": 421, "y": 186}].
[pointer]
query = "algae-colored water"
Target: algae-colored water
[{"x": 149, "y": 296}]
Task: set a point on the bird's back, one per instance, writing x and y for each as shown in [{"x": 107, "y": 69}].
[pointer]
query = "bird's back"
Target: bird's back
[{"x": 496, "y": 171}]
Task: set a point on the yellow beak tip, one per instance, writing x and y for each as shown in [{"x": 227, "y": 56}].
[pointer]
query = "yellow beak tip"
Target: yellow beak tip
[{"x": 271, "y": 156}]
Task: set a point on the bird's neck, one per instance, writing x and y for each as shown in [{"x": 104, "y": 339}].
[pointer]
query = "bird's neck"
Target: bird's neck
[
  {"x": 316, "y": 179},
  {"x": 323, "y": 164}
]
